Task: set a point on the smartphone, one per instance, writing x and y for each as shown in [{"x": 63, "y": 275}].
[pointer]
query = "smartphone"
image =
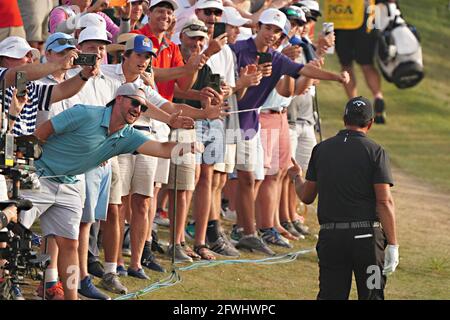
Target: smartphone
[
  {"x": 328, "y": 28},
  {"x": 86, "y": 59},
  {"x": 264, "y": 57},
  {"x": 21, "y": 83},
  {"x": 219, "y": 29},
  {"x": 214, "y": 82}
]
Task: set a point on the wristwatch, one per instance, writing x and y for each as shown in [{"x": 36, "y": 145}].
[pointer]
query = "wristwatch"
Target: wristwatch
[
  {"x": 12, "y": 117},
  {"x": 82, "y": 77}
]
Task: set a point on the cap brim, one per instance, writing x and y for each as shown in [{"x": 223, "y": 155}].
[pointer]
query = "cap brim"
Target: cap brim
[
  {"x": 145, "y": 51},
  {"x": 115, "y": 47},
  {"x": 95, "y": 39},
  {"x": 197, "y": 33},
  {"x": 61, "y": 48},
  {"x": 239, "y": 22},
  {"x": 19, "y": 53}
]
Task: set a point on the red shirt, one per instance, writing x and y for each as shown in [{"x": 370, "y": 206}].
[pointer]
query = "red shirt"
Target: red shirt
[
  {"x": 10, "y": 14},
  {"x": 168, "y": 56}
]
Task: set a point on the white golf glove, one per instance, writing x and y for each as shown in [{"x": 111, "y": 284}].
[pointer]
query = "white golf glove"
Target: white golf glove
[{"x": 390, "y": 259}]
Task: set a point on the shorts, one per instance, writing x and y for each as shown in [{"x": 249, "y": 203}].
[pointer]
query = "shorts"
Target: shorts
[
  {"x": 58, "y": 206},
  {"x": 259, "y": 164},
  {"x": 355, "y": 45},
  {"x": 184, "y": 169},
  {"x": 12, "y": 31},
  {"x": 98, "y": 185},
  {"x": 246, "y": 154},
  {"x": 115, "y": 193},
  {"x": 275, "y": 142},
  {"x": 162, "y": 172},
  {"x": 137, "y": 173},
  {"x": 303, "y": 140},
  {"x": 230, "y": 160},
  {"x": 212, "y": 134},
  {"x": 35, "y": 18}
]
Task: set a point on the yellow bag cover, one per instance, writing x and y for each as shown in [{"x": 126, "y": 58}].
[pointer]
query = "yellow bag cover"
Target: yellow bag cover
[{"x": 346, "y": 14}]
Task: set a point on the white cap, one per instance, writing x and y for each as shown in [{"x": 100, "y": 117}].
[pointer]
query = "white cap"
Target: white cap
[
  {"x": 93, "y": 33},
  {"x": 204, "y": 4},
  {"x": 172, "y": 2},
  {"x": 92, "y": 20},
  {"x": 233, "y": 17},
  {"x": 273, "y": 16},
  {"x": 17, "y": 47},
  {"x": 310, "y": 4}
]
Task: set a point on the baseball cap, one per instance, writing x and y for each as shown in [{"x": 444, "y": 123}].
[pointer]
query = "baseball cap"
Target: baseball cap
[
  {"x": 171, "y": 2},
  {"x": 93, "y": 33},
  {"x": 287, "y": 28},
  {"x": 140, "y": 44},
  {"x": 195, "y": 28},
  {"x": 295, "y": 13},
  {"x": 312, "y": 5},
  {"x": 17, "y": 47},
  {"x": 92, "y": 20},
  {"x": 204, "y": 4},
  {"x": 273, "y": 16},
  {"x": 129, "y": 89},
  {"x": 232, "y": 17},
  {"x": 121, "y": 41},
  {"x": 60, "y": 41},
  {"x": 138, "y": 1},
  {"x": 359, "y": 108}
]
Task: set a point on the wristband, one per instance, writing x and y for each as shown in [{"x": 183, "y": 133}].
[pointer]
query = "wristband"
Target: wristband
[
  {"x": 83, "y": 77},
  {"x": 125, "y": 19},
  {"x": 12, "y": 117}
]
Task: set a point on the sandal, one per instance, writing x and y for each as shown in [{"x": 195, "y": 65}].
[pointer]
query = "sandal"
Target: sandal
[
  {"x": 203, "y": 251},
  {"x": 189, "y": 252}
]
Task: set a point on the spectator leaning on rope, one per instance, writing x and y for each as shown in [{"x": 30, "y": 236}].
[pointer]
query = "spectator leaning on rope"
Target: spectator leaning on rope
[{"x": 351, "y": 175}]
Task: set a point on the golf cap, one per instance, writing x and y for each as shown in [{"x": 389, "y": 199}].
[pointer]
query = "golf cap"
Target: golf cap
[
  {"x": 171, "y": 2},
  {"x": 59, "y": 42},
  {"x": 121, "y": 41},
  {"x": 205, "y": 4},
  {"x": 94, "y": 34},
  {"x": 273, "y": 16},
  {"x": 359, "y": 108},
  {"x": 140, "y": 44},
  {"x": 17, "y": 48},
  {"x": 312, "y": 5},
  {"x": 232, "y": 17},
  {"x": 195, "y": 28},
  {"x": 93, "y": 20},
  {"x": 129, "y": 89},
  {"x": 287, "y": 28},
  {"x": 295, "y": 13}
]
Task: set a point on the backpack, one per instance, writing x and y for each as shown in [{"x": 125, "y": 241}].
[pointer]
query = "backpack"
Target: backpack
[{"x": 399, "y": 54}]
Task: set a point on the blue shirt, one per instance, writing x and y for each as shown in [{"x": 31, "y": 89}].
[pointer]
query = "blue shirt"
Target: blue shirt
[
  {"x": 82, "y": 141},
  {"x": 245, "y": 51}
]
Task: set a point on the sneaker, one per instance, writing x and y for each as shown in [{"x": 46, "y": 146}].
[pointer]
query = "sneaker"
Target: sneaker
[
  {"x": 140, "y": 274},
  {"x": 272, "y": 236},
  {"x": 180, "y": 255},
  {"x": 162, "y": 218},
  {"x": 189, "y": 231},
  {"x": 121, "y": 271},
  {"x": 89, "y": 291},
  {"x": 55, "y": 292},
  {"x": 236, "y": 234},
  {"x": 126, "y": 252},
  {"x": 379, "y": 109},
  {"x": 111, "y": 282},
  {"x": 253, "y": 243},
  {"x": 229, "y": 215},
  {"x": 291, "y": 229},
  {"x": 223, "y": 247},
  {"x": 95, "y": 268},
  {"x": 16, "y": 293},
  {"x": 301, "y": 228},
  {"x": 150, "y": 263}
]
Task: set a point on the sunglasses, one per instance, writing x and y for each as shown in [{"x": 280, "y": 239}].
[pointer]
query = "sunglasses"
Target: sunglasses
[
  {"x": 63, "y": 41},
  {"x": 194, "y": 27},
  {"x": 136, "y": 104},
  {"x": 216, "y": 12}
]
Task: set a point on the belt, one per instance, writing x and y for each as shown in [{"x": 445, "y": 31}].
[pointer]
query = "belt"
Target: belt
[
  {"x": 350, "y": 225},
  {"x": 145, "y": 128},
  {"x": 269, "y": 111}
]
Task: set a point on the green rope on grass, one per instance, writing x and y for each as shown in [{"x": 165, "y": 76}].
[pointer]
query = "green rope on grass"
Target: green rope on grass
[{"x": 175, "y": 277}]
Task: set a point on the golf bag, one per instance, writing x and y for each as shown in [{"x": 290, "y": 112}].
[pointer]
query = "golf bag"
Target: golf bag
[{"x": 399, "y": 54}]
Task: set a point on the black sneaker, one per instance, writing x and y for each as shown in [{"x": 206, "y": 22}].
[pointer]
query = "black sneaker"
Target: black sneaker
[
  {"x": 95, "y": 268},
  {"x": 223, "y": 247},
  {"x": 291, "y": 229},
  {"x": 301, "y": 228},
  {"x": 379, "y": 109},
  {"x": 150, "y": 263},
  {"x": 253, "y": 243}
]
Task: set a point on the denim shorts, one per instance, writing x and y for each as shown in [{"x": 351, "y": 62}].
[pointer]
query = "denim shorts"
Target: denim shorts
[{"x": 212, "y": 134}]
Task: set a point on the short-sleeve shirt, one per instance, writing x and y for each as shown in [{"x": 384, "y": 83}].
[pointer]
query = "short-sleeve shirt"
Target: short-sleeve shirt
[
  {"x": 82, "y": 141},
  {"x": 168, "y": 56},
  {"x": 246, "y": 51},
  {"x": 39, "y": 96},
  {"x": 345, "y": 168},
  {"x": 202, "y": 81}
]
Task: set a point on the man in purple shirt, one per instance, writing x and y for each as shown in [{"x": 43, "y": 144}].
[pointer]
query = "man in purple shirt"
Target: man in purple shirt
[{"x": 271, "y": 23}]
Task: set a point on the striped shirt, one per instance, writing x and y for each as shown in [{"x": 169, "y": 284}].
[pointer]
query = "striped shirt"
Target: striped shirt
[{"x": 39, "y": 96}]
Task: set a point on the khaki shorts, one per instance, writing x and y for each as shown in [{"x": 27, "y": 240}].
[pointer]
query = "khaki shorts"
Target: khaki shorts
[
  {"x": 35, "y": 18},
  {"x": 246, "y": 154},
  {"x": 185, "y": 168},
  {"x": 12, "y": 31},
  {"x": 230, "y": 160},
  {"x": 115, "y": 193},
  {"x": 137, "y": 173},
  {"x": 162, "y": 171}
]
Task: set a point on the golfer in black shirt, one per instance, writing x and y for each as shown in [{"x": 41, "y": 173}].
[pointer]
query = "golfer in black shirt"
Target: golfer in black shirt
[{"x": 352, "y": 176}]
